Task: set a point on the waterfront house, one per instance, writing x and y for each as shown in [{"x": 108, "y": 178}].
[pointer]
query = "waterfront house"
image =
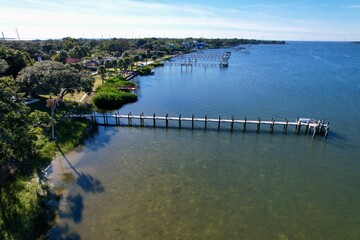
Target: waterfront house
[{"x": 92, "y": 64}]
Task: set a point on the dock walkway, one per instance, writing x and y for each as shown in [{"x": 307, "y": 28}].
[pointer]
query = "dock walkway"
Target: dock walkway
[{"x": 314, "y": 127}]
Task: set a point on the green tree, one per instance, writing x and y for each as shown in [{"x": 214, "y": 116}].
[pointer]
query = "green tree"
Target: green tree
[
  {"x": 17, "y": 138},
  {"x": 15, "y": 59},
  {"x": 108, "y": 64},
  {"x": 78, "y": 66},
  {"x": 120, "y": 64},
  {"x": 125, "y": 54},
  {"x": 4, "y": 66},
  {"x": 102, "y": 72},
  {"x": 19, "y": 199},
  {"x": 53, "y": 77},
  {"x": 69, "y": 43},
  {"x": 79, "y": 52},
  {"x": 60, "y": 56},
  {"x": 114, "y": 45},
  {"x": 47, "y": 46},
  {"x": 126, "y": 63}
]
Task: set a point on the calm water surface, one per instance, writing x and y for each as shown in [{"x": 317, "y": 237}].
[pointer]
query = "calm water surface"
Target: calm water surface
[{"x": 145, "y": 183}]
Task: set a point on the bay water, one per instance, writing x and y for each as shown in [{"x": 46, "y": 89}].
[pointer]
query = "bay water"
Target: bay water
[{"x": 158, "y": 183}]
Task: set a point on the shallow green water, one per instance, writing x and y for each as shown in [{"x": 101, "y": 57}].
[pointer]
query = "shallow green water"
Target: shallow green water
[{"x": 145, "y": 183}]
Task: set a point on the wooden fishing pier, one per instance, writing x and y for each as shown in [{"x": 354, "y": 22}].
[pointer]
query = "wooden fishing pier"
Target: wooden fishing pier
[{"x": 309, "y": 126}]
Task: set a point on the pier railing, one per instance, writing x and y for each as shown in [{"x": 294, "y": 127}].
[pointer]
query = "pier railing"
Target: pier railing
[{"x": 314, "y": 127}]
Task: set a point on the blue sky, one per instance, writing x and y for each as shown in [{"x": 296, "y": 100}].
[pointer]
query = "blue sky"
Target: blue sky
[{"x": 333, "y": 20}]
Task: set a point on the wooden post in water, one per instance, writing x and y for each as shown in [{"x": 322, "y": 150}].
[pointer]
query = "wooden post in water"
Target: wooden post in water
[
  {"x": 322, "y": 126},
  {"x": 142, "y": 119},
  {"x": 258, "y": 125},
  {"x": 205, "y": 121},
  {"x": 130, "y": 119},
  {"x": 327, "y": 131},
  {"x": 104, "y": 118},
  {"x": 116, "y": 118},
  {"x": 272, "y": 125},
  {"x": 244, "y": 124},
  {"x": 307, "y": 128},
  {"x": 192, "y": 121},
  {"x": 298, "y": 127},
  {"x": 167, "y": 120},
  {"x": 232, "y": 123},
  {"x": 286, "y": 125},
  {"x": 154, "y": 120},
  {"x": 315, "y": 131},
  {"x": 219, "y": 123},
  {"x": 180, "y": 121}
]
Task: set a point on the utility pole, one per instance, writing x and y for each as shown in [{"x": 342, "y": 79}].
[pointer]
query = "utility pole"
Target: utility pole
[{"x": 17, "y": 33}]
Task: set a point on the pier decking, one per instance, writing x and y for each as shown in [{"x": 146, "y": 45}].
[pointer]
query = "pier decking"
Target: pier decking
[{"x": 310, "y": 127}]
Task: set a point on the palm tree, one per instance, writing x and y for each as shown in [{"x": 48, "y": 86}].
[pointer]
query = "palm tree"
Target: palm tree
[
  {"x": 102, "y": 71},
  {"x": 120, "y": 64},
  {"x": 126, "y": 63}
]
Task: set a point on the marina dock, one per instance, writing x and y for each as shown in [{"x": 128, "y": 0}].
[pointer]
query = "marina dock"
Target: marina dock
[{"x": 205, "y": 59}]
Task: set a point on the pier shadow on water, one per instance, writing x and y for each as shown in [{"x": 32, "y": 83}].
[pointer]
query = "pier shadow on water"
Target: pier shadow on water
[
  {"x": 99, "y": 140},
  {"x": 87, "y": 182}
]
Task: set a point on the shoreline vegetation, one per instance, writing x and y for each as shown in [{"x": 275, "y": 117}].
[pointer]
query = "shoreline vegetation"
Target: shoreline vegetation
[{"x": 95, "y": 71}]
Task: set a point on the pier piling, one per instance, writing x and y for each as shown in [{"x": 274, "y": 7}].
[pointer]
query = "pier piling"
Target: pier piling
[
  {"x": 244, "y": 124},
  {"x": 205, "y": 121},
  {"x": 219, "y": 123},
  {"x": 154, "y": 118},
  {"x": 192, "y": 121},
  {"x": 232, "y": 124},
  {"x": 258, "y": 125},
  {"x": 167, "y": 120}
]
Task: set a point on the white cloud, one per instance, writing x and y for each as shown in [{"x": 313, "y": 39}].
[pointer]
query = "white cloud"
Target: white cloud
[
  {"x": 126, "y": 18},
  {"x": 353, "y": 6}
]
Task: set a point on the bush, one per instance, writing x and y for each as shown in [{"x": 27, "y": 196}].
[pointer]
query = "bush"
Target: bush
[
  {"x": 19, "y": 209},
  {"x": 110, "y": 97},
  {"x": 157, "y": 64},
  {"x": 145, "y": 71},
  {"x": 108, "y": 100},
  {"x": 107, "y": 88},
  {"x": 116, "y": 80},
  {"x": 114, "y": 83},
  {"x": 128, "y": 97}
]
